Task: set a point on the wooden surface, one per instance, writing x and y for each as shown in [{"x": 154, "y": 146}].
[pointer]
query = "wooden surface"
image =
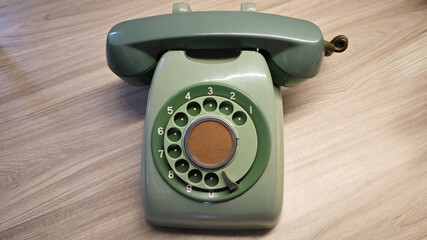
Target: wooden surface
[{"x": 70, "y": 145}]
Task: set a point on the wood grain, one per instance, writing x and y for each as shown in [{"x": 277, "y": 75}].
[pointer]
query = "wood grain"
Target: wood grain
[{"x": 71, "y": 131}]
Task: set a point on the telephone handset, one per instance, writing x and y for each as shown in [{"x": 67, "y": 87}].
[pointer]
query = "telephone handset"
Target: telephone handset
[{"x": 213, "y": 142}]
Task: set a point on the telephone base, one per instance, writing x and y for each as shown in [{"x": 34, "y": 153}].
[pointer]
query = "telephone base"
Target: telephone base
[{"x": 173, "y": 197}]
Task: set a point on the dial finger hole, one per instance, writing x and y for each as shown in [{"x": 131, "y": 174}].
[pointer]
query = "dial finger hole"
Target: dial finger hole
[
  {"x": 239, "y": 118},
  {"x": 209, "y": 104},
  {"x": 182, "y": 166},
  {"x": 195, "y": 176},
  {"x": 181, "y": 119},
  {"x": 174, "y": 151},
  {"x": 226, "y": 108},
  {"x": 211, "y": 179},
  {"x": 174, "y": 134},
  {"x": 193, "y": 108}
]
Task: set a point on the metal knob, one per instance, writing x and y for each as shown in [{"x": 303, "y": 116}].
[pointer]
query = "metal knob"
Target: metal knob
[{"x": 337, "y": 44}]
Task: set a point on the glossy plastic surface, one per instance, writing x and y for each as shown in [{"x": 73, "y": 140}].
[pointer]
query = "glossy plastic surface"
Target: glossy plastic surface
[
  {"x": 261, "y": 205},
  {"x": 292, "y": 46}
]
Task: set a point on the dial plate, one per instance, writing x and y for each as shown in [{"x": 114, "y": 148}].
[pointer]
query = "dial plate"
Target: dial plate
[
  {"x": 237, "y": 162},
  {"x": 177, "y": 142}
]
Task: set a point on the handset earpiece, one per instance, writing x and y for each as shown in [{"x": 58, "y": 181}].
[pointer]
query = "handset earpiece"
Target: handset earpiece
[{"x": 293, "y": 48}]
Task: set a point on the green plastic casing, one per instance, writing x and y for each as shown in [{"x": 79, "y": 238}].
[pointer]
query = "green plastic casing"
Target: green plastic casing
[
  {"x": 258, "y": 207},
  {"x": 293, "y": 48},
  {"x": 262, "y": 52}
]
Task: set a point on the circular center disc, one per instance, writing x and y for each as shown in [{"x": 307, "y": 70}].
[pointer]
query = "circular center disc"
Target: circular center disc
[{"x": 210, "y": 143}]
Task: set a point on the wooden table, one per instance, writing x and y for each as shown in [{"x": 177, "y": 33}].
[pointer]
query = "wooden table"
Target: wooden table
[{"x": 71, "y": 131}]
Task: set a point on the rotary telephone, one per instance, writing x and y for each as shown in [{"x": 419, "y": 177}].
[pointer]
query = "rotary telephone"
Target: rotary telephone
[{"x": 213, "y": 138}]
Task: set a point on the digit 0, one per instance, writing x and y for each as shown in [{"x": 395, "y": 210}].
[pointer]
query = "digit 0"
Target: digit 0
[{"x": 211, "y": 194}]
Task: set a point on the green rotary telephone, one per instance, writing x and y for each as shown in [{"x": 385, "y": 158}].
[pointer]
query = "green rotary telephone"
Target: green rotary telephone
[{"x": 213, "y": 138}]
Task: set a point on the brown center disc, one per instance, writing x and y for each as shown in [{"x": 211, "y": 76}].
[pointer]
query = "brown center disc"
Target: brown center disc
[{"x": 210, "y": 143}]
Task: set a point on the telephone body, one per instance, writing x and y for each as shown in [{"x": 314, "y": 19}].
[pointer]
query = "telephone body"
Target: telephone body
[{"x": 213, "y": 134}]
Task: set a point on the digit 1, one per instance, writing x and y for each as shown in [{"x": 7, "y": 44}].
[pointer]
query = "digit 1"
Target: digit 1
[{"x": 250, "y": 109}]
